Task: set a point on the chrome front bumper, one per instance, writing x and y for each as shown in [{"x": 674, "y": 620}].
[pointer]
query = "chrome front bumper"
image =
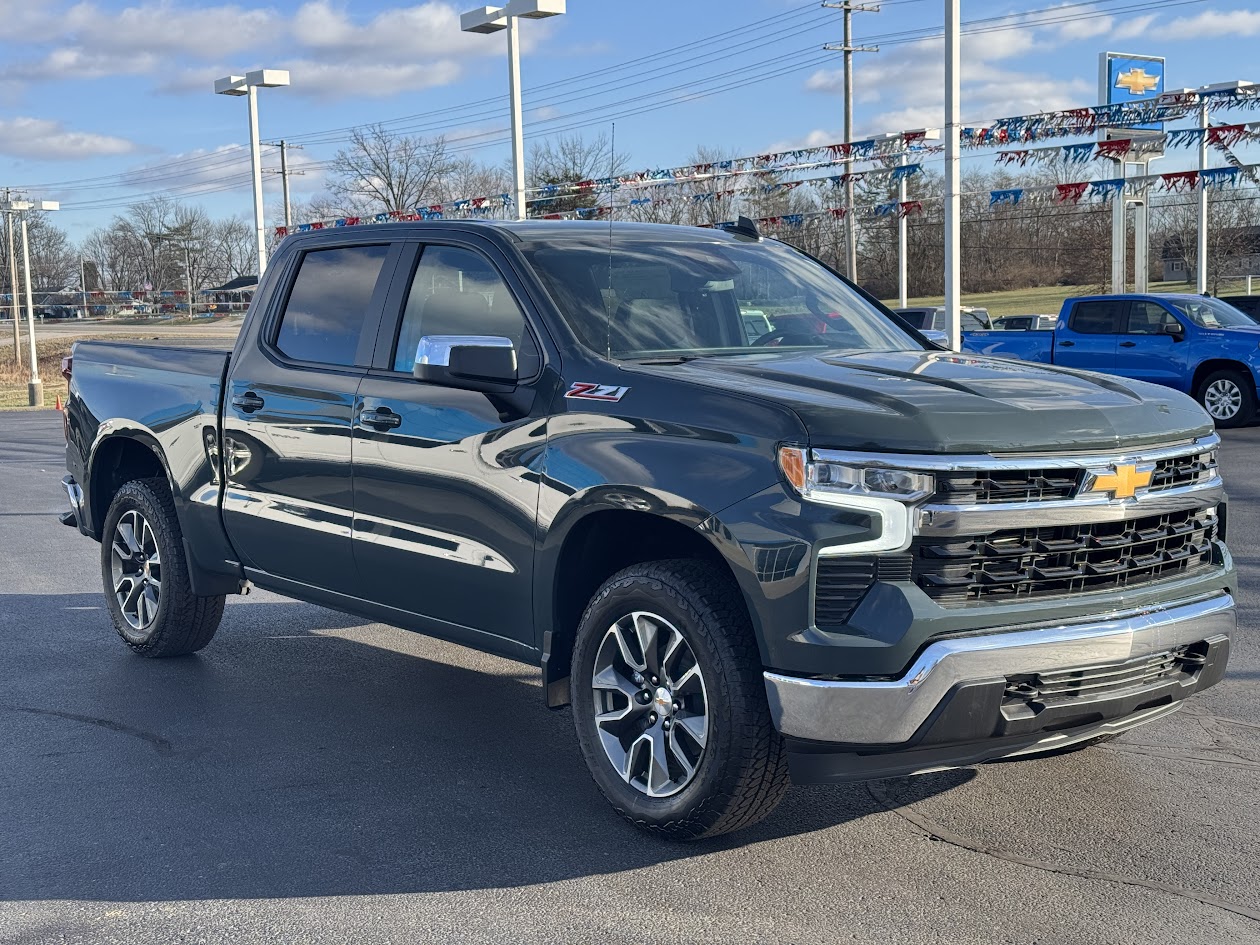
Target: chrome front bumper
[{"x": 891, "y": 712}]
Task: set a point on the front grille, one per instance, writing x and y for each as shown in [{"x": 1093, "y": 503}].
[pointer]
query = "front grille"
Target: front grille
[
  {"x": 1063, "y": 559},
  {"x": 974, "y": 487},
  {"x": 1031, "y": 692},
  {"x": 989, "y": 486},
  {"x": 842, "y": 582},
  {"x": 1184, "y": 471}
]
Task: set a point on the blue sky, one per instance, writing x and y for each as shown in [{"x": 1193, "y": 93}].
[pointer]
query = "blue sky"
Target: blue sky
[{"x": 103, "y": 102}]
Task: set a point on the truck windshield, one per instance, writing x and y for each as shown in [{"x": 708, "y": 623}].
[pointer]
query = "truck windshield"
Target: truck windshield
[
  {"x": 1212, "y": 313},
  {"x": 643, "y": 299}
]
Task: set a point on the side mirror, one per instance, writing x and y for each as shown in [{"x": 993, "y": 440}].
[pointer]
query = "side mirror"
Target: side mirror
[
  {"x": 1176, "y": 329},
  {"x": 938, "y": 338},
  {"x": 485, "y": 363}
]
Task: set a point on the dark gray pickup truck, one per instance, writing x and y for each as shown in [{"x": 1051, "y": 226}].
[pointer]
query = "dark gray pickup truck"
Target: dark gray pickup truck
[{"x": 816, "y": 549}]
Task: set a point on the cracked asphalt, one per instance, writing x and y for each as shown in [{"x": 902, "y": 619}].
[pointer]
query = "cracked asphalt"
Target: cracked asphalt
[{"x": 314, "y": 778}]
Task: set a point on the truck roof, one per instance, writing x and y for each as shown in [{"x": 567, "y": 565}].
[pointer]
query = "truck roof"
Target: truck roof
[{"x": 524, "y": 230}]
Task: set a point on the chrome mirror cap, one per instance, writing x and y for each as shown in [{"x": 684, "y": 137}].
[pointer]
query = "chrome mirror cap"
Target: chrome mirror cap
[{"x": 435, "y": 350}]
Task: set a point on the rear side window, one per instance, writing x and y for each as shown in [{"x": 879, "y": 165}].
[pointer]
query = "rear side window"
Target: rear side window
[
  {"x": 915, "y": 319},
  {"x": 328, "y": 305},
  {"x": 1102, "y": 317}
]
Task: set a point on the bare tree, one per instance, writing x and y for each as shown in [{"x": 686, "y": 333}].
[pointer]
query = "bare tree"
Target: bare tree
[
  {"x": 380, "y": 171},
  {"x": 569, "y": 160}
]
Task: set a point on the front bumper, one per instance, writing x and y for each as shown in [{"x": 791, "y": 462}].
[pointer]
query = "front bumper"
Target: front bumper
[{"x": 960, "y": 701}]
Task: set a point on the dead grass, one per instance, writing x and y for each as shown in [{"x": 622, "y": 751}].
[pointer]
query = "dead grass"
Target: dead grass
[{"x": 13, "y": 379}]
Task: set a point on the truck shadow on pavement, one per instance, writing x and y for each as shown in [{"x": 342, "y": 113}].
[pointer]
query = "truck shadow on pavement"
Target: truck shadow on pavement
[{"x": 290, "y": 760}]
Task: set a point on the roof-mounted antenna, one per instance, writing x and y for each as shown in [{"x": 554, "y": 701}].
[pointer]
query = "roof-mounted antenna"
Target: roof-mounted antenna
[{"x": 744, "y": 227}]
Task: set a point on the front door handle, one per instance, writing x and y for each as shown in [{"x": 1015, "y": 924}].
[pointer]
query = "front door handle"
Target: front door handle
[
  {"x": 247, "y": 402},
  {"x": 1067, "y": 344},
  {"x": 1128, "y": 344},
  {"x": 382, "y": 418}
]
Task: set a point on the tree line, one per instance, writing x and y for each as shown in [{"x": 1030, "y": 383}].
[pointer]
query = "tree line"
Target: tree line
[{"x": 164, "y": 243}]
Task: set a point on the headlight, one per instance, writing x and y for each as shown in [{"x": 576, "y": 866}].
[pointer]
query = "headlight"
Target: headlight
[
  {"x": 885, "y": 493},
  {"x": 821, "y": 480}
]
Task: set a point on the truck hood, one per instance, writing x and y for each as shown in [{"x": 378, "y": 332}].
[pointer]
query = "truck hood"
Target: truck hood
[{"x": 938, "y": 402}]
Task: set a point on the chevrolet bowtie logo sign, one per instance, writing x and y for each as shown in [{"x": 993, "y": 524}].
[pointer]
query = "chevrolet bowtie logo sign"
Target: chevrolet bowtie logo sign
[
  {"x": 1123, "y": 482},
  {"x": 1136, "y": 81}
]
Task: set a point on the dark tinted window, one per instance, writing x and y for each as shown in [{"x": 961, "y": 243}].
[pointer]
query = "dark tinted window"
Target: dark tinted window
[
  {"x": 329, "y": 304},
  {"x": 917, "y": 319},
  {"x": 1149, "y": 318},
  {"x": 1102, "y": 317},
  {"x": 459, "y": 292},
  {"x": 1248, "y": 304}
]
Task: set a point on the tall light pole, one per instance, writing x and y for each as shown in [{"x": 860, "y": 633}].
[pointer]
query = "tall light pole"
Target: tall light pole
[
  {"x": 953, "y": 183},
  {"x": 13, "y": 283},
  {"x": 491, "y": 20},
  {"x": 1205, "y": 93},
  {"x": 34, "y": 386},
  {"x": 248, "y": 85}
]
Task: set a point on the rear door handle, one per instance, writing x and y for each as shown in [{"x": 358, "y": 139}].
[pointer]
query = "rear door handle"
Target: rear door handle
[
  {"x": 248, "y": 402},
  {"x": 1067, "y": 344},
  {"x": 382, "y": 418},
  {"x": 1128, "y": 344}
]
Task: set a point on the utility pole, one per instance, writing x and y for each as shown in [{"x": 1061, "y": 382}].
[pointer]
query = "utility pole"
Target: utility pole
[
  {"x": 284, "y": 176},
  {"x": 83, "y": 284},
  {"x": 35, "y": 386},
  {"x": 847, "y": 47},
  {"x": 953, "y": 156}
]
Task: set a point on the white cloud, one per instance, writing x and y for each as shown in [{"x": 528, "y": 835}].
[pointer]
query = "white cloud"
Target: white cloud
[
  {"x": 337, "y": 80},
  {"x": 1210, "y": 24},
  {"x": 41, "y": 139},
  {"x": 332, "y": 52}
]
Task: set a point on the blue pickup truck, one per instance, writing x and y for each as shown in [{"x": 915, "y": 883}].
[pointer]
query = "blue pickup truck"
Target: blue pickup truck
[{"x": 1201, "y": 346}]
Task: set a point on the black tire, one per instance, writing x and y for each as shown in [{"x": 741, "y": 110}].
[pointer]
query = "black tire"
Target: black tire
[
  {"x": 182, "y": 622},
  {"x": 1237, "y": 389},
  {"x": 741, "y": 773}
]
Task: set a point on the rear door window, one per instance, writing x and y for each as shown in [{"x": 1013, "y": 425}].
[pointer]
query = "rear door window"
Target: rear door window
[
  {"x": 1099, "y": 317},
  {"x": 328, "y": 308}
]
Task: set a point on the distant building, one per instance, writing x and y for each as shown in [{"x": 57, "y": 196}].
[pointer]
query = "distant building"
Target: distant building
[{"x": 1242, "y": 258}]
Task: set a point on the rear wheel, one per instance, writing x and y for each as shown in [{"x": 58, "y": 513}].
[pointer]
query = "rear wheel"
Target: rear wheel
[
  {"x": 145, "y": 575},
  {"x": 1228, "y": 398},
  {"x": 670, "y": 703}
]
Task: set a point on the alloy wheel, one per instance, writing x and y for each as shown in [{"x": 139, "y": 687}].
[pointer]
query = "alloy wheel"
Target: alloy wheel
[
  {"x": 651, "y": 705},
  {"x": 136, "y": 569},
  {"x": 1223, "y": 399}
]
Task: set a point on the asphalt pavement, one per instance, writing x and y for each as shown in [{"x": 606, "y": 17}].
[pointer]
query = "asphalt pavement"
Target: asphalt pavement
[{"x": 311, "y": 777}]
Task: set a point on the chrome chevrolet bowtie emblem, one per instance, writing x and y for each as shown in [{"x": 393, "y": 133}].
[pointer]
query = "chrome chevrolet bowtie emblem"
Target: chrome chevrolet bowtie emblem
[
  {"x": 1136, "y": 81},
  {"x": 1122, "y": 481}
]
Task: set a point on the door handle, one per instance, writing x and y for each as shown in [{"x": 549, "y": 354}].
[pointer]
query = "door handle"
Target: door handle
[
  {"x": 248, "y": 402},
  {"x": 1067, "y": 344},
  {"x": 382, "y": 418},
  {"x": 1128, "y": 344}
]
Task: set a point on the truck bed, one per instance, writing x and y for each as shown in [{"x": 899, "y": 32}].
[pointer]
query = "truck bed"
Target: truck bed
[{"x": 1037, "y": 346}]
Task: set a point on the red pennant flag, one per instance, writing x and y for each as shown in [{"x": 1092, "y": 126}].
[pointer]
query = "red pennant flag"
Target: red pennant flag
[
  {"x": 1070, "y": 193},
  {"x": 1114, "y": 149}
]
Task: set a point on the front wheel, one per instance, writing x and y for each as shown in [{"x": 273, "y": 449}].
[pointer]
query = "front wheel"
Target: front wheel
[
  {"x": 145, "y": 575},
  {"x": 1228, "y": 398},
  {"x": 670, "y": 703}
]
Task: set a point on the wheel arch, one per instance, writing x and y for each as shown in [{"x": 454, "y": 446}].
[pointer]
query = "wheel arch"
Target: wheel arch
[
  {"x": 593, "y": 547},
  {"x": 115, "y": 460},
  {"x": 1212, "y": 365}
]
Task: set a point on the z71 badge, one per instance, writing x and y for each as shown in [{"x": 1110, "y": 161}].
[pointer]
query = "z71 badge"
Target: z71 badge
[{"x": 583, "y": 390}]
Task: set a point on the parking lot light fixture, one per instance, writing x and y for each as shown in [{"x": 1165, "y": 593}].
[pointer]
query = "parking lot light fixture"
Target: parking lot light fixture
[
  {"x": 248, "y": 85},
  {"x": 34, "y": 385},
  {"x": 492, "y": 20}
]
